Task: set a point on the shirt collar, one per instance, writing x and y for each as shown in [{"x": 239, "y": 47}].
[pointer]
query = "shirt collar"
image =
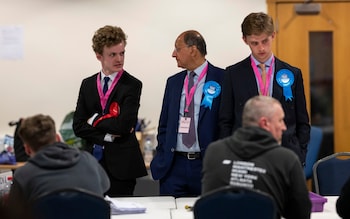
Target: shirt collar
[
  {"x": 199, "y": 69},
  {"x": 111, "y": 76},
  {"x": 267, "y": 63}
]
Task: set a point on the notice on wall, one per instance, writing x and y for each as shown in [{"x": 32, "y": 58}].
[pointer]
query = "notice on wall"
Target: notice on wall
[{"x": 11, "y": 42}]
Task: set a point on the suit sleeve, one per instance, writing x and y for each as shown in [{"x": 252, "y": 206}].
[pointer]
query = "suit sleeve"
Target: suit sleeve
[
  {"x": 226, "y": 112},
  {"x": 302, "y": 117},
  {"x": 163, "y": 120},
  {"x": 83, "y": 112}
]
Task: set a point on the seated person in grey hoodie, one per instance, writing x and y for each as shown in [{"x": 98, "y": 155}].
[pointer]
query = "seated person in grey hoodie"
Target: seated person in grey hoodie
[
  {"x": 253, "y": 157},
  {"x": 52, "y": 165}
]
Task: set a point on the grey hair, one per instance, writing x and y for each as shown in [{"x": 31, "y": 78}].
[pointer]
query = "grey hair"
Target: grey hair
[{"x": 257, "y": 107}]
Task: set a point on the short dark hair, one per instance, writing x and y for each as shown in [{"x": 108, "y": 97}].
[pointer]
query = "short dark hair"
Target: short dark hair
[
  {"x": 37, "y": 131},
  {"x": 194, "y": 38}
]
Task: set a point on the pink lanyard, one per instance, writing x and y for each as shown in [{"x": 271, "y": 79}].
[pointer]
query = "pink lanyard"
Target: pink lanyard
[
  {"x": 264, "y": 88},
  {"x": 189, "y": 95},
  {"x": 104, "y": 98}
]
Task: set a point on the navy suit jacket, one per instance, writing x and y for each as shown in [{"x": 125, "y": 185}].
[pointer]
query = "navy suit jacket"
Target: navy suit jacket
[
  {"x": 123, "y": 156},
  {"x": 240, "y": 85},
  {"x": 169, "y": 121}
]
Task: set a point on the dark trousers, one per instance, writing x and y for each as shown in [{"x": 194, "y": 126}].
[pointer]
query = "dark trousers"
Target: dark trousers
[
  {"x": 183, "y": 178},
  {"x": 119, "y": 187}
]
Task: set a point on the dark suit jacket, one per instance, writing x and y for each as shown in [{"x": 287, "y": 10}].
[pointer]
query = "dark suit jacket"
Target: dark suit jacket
[
  {"x": 123, "y": 156},
  {"x": 169, "y": 121},
  {"x": 240, "y": 85}
]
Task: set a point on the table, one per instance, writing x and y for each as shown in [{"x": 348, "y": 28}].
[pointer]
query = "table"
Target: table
[
  {"x": 156, "y": 207},
  {"x": 154, "y": 202},
  {"x": 11, "y": 166},
  {"x": 150, "y": 214},
  {"x": 185, "y": 201},
  {"x": 181, "y": 212},
  {"x": 167, "y": 207},
  {"x": 329, "y": 210}
]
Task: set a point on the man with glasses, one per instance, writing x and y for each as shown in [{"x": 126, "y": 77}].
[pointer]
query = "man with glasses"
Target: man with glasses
[{"x": 189, "y": 118}]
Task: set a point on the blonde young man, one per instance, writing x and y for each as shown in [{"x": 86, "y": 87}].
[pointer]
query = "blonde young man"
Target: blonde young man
[{"x": 282, "y": 81}]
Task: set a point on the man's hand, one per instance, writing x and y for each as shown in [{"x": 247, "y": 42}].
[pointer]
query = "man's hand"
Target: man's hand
[{"x": 114, "y": 111}]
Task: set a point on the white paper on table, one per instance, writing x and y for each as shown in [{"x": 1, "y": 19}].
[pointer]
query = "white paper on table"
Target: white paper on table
[{"x": 124, "y": 207}]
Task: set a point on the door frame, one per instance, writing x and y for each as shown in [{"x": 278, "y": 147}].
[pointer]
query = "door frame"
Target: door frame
[{"x": 341, "y": 105}]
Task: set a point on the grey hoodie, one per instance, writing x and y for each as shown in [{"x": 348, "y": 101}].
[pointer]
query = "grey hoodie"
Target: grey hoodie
[
  {"x": 58, "y": 166},
  {"x": 252, "y": 158}
]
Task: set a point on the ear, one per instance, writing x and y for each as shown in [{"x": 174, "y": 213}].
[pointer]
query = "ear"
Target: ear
[
  {"x": 263, "y": 123},
  {"x": 273, "y": 35},
  {"x": 98, "y": 56},
  {"x": 193, "y": 50},
  {"x": 244, "y": 39},
  {"x": 58, "y": 138},
  {"x": 28, "y": 150}
]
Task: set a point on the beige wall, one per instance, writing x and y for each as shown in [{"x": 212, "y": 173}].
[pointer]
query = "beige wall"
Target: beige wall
[{"x": 58, "y": 55}]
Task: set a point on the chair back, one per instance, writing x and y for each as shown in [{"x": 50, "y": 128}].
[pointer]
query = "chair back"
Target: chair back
[
  {"x": 313, "y": 149},
  {"x": 235, "y": 202},
  {"x": 69, "y": 204},
  {"x": 331, "y": 172}
]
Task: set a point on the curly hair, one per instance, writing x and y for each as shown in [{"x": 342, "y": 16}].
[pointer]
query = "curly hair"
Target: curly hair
[{"x": 107, "y": 36}]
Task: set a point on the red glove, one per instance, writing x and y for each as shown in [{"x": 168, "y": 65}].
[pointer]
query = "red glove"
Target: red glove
[{"x": 114, "y": 111}]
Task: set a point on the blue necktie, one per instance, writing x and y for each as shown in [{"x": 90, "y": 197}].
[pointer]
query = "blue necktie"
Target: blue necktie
[
  {"x": 188, "y": 139},
  {"x": 97, "y": 151},
  {"x": 105, "y": 86}
]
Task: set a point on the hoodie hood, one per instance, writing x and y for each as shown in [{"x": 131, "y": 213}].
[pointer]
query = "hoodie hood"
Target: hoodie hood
[
  {"x": 250, "y": 142},
  {"x": 56, "y": 156}
]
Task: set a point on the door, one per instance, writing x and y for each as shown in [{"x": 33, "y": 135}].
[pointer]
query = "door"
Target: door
[{"x": 318, "y": 43}]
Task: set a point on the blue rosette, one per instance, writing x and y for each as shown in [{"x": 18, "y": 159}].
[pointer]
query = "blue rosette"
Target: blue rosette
[
  {"x": 285, "y": 79},
  {"x": 211, "y": 90}
]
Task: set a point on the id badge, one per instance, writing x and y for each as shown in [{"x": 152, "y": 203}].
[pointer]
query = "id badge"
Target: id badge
[{"x": 184, "y": 126}]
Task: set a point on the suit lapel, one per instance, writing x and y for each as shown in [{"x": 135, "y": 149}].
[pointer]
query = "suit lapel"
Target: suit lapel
[
  {"x": 250, "y": 78},
  {"x": 277, "y": 90},
  {"x": 116, "y": 87},
  {"x": 209, "y": 77},
  {"x": 176, "y": 95},
  {"x": 93, "y": 90}
]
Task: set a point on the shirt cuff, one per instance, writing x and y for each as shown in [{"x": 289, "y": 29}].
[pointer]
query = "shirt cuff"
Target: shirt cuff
[
  {"x": 109, "y": 138},
  {"x": 92, "y": 118}
]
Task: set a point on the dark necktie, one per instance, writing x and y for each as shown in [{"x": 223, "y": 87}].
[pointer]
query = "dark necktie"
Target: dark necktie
[
  {"x": 189, "y": 138},
  {"x": 105, "y": 86}
]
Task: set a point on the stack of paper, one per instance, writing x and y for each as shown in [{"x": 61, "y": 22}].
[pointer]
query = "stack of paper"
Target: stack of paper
[{"x": 123, "y": 207}]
